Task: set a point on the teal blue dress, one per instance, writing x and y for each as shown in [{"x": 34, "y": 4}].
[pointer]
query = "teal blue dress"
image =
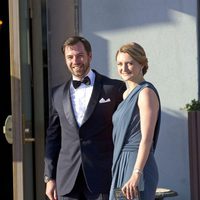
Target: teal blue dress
[{"x": 126, "y": 138}]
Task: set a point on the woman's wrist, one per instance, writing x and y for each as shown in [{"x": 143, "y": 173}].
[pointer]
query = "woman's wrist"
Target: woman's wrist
[{"x": 138, "y": 171}]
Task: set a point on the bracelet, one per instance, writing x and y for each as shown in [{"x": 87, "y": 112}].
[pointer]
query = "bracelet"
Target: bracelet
[{"x": 138, "y": 171}]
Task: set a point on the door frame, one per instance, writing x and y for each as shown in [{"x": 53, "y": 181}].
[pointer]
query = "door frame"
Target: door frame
[
  {"x": 18, "y": 181},
  {"x": 18, "y": 125}
]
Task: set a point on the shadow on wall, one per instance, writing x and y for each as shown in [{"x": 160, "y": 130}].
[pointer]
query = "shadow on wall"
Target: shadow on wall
[
  {"x": 174, "y": 166},
  {"x": 98, "y": 17},
  {"x": 122, "y": 14},
  {"x": 100, "y": 58}
]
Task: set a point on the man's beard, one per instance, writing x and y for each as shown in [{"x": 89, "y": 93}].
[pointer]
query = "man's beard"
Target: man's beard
[{"x": 82, "y": 70}]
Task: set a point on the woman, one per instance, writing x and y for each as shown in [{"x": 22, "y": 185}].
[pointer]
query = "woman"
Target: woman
[{"x": 136, "y": 127}]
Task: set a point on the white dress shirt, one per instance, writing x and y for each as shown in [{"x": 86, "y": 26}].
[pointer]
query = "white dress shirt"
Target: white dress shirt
[{"x": 80, "y": 97}]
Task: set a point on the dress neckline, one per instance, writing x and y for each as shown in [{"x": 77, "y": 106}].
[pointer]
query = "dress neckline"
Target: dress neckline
[{"x": 134, "y": 89}]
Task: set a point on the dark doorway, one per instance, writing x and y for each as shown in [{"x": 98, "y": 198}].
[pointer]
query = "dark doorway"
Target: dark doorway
[{"x": 6, "y": 189}]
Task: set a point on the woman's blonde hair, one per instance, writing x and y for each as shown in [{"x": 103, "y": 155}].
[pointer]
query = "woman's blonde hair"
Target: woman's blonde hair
[{"x": 137, "y": 53}]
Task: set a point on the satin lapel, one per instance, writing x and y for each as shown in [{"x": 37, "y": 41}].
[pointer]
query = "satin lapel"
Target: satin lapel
[
  {"x": 94, "y": 100},
  {"x": 67, "y": 106}
]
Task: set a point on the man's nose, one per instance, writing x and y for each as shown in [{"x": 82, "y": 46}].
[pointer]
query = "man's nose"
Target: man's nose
[{"x": 75, "y": 59}]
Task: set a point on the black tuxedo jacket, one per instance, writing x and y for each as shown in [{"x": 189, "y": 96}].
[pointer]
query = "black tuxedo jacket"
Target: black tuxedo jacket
[{"x": 69, "y": 147}]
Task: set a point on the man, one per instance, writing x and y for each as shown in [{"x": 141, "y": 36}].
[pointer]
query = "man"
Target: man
[{"x": 79, "y": 144}]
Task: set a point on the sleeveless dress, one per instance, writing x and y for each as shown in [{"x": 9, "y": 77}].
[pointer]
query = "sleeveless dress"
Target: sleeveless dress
[{"x": 126, "y": 138}]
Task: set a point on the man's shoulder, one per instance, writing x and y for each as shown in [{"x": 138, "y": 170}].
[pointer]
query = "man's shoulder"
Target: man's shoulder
[
  {"x": 111, "y": 84},
  {"x": 112, "y": 81},
  {"x": 57, "y": 87},
  {"x": 60, "y": 87},
  {"x": 107, "y": 79}
]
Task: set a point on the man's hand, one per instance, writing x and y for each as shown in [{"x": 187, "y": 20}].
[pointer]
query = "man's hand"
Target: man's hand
[{"x": 51, "y": 190}]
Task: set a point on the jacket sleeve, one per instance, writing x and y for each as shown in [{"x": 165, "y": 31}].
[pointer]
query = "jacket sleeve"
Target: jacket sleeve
[{"x": 53, "y": 144}]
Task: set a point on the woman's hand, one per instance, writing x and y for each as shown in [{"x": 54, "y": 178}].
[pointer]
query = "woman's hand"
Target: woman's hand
[{"x": 130, "y": 188}]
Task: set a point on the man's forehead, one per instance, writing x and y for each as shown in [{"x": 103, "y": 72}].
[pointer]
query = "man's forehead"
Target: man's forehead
[{"x": 75, "y": 48}]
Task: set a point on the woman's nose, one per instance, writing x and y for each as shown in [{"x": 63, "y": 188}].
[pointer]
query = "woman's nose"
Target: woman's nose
[{"x": 124, "y": 66}]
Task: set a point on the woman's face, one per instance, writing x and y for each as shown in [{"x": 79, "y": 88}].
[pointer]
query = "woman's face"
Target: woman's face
[{"x": 128, "y": 68}]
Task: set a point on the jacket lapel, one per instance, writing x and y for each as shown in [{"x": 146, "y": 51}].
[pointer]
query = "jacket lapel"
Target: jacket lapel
[
  {"x": 67, "y": 105},
  {"x": 94, "y": 100}
]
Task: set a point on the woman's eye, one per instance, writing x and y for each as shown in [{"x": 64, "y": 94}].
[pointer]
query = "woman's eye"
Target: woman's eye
[{"x": 119, "y": 64}]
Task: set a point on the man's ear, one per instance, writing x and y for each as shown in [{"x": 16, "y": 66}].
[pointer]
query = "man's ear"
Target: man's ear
[{"x": 90, "y": 55}]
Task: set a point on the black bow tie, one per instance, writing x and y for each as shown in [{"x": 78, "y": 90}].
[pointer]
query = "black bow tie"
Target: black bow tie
[{"x": 86, "y": 81}]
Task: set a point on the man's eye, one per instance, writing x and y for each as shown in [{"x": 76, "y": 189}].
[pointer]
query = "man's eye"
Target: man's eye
[
  {"x": 80, "y": 56},
  {"x": 68, "y": 58}
]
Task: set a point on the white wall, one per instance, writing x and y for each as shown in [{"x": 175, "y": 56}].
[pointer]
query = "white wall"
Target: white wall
[{"x": 167, "y": 30}]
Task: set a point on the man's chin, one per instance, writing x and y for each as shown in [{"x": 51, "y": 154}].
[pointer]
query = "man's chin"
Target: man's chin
[{"x": 78, "y": 74}]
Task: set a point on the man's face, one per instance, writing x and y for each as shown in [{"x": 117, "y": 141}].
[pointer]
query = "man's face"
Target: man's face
[{"x": 77, "y": 60}]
